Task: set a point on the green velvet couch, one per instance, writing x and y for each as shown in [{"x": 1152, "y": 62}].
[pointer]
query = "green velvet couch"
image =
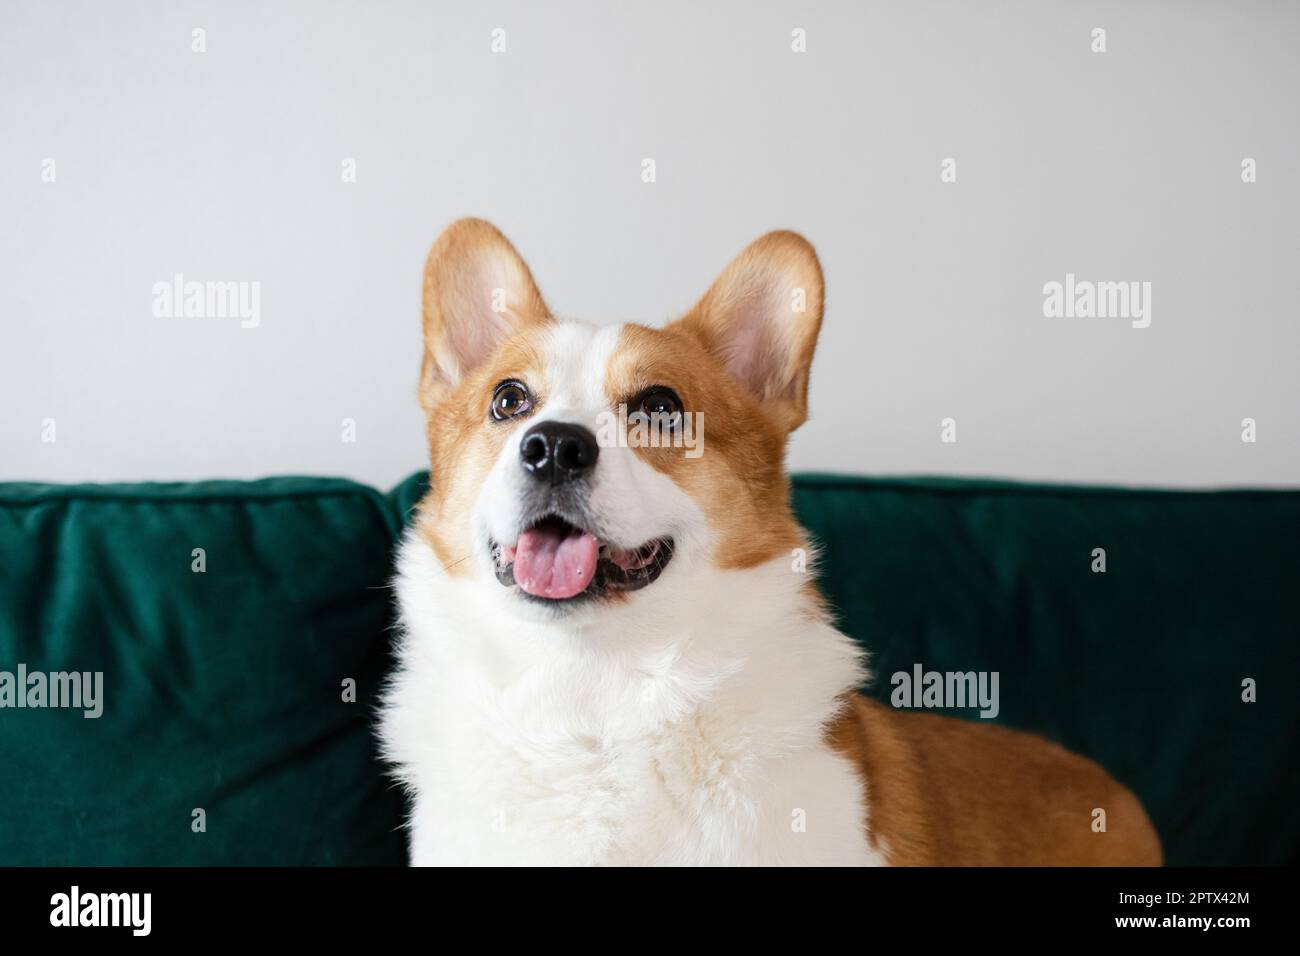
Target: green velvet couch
[{"x": 230, "y": 620}]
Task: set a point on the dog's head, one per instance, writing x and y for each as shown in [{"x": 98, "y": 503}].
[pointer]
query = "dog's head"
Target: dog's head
[{"x": 575, "y": 466}]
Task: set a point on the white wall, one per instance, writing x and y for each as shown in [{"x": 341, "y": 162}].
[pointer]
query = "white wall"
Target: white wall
[{"x": 1123, "y": 165}]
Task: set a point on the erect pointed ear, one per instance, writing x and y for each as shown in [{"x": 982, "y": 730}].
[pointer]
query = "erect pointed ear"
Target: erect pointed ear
[
  {"x": 477, "y": 293},
  {"x": 761, "y": 318}
]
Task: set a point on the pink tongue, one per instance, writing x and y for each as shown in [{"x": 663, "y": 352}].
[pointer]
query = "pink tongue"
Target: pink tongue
[{"x": 552, "y": 563}]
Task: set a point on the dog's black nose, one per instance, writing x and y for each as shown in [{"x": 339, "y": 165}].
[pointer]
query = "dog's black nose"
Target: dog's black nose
[{"x": 556, "y": 452}]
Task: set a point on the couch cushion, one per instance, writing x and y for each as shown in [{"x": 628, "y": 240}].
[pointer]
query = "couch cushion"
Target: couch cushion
[{"x": 222, "y": 690}]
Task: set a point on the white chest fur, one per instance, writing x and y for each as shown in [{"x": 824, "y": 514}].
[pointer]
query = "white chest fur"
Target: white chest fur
[{"x": 691, "y": 737}]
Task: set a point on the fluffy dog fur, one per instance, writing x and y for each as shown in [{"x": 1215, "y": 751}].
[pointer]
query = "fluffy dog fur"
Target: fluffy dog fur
[{"x": 710, "y": 717}]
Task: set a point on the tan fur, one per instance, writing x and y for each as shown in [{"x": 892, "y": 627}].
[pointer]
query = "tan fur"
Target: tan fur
[
  {"x": 739, "y": 481},
  {"x": 470, "y": 261},
  {"x": 950, "y": 792},
  {"x": 463, "y": 364},
  {"x": 764, "y": 279}
]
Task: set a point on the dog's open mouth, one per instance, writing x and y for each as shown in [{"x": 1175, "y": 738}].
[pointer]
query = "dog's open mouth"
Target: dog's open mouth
[{"x": 555, "y": 561}]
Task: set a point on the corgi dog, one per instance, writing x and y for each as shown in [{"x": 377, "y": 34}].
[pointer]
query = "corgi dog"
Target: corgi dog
[{"x": 606, "y": 655}]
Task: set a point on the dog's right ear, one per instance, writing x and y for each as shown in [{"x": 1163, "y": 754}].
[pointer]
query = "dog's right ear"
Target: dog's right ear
[{"x": 477, "y": 293}]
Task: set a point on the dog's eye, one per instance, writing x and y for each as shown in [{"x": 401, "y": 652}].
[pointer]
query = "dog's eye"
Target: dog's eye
[
  {"x": 661, "y": 406},
  {"x": 510, "y": 399}
]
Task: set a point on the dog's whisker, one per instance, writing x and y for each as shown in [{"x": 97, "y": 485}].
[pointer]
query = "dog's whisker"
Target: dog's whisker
[{"x": 457, "y": 562}]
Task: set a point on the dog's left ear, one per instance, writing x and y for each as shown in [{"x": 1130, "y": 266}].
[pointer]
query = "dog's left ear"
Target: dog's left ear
[{"x": 760, "y": 320}]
